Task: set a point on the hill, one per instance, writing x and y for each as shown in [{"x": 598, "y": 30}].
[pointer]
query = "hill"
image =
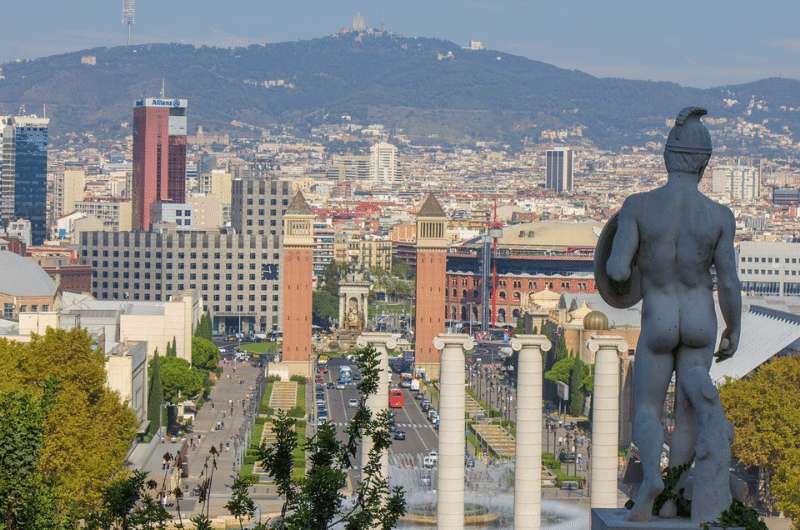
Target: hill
[{"x": 433, "y": 89}]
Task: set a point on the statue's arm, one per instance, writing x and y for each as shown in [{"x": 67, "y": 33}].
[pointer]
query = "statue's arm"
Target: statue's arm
[
  {"x": 626, "y": 242},
  {"x": 728, "y": 286}
]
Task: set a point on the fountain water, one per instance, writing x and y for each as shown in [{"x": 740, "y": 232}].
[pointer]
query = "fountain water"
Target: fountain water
[{"x": 489, "y": 500}]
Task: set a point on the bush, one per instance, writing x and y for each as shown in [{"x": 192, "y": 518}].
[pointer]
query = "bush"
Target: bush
[
  {"x": 297, "y": 412},
  {"x": 299, "y": 379},
  {"x": 260, "y": 420},
  {"x": 272, "y": 378}
]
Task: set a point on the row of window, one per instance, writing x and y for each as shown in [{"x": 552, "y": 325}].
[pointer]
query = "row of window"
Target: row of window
[
  {"x": 181, "y": 255},
  {"x": 8, "y": 309},
  {"x": 769, "y": 272},
  {"x": 582, "y": 286},
  {"x": 750, "y": 259},
  {"x": 182, "y": 265}
]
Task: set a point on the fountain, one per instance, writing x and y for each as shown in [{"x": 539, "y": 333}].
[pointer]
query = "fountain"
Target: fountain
[{"x": 489, "y": 501}]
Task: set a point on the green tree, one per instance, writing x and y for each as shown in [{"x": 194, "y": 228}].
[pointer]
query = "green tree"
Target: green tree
[
  {"x": 577, "y": 397},
  {"x": 324, "y": 308},
  {"x": 314, "y": 501},
  {"x": 330, "y": 277},
  {"x": 204, "y": 329},
  {"x": 172, "y": 349},
  {"x": 79, "y": 455},
  {"x": 204, "y": 354},
  {"x": 26, "y": 498},
  {"x": 155, "y": 400},
  {"x": 179, "y": 380},
  {"x": 241, "y": 505},
  {"x": 127, "y": 504},
  {"x": 561, "y": 370},
  {"x": 764, "y": 409}
]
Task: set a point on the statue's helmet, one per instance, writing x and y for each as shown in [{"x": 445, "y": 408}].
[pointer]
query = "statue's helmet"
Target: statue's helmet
[{"x": 689, "y": 135}]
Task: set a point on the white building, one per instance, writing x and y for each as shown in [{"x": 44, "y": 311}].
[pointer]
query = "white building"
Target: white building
[
  {"x": 383, "y": 163},
  {"x": 739, "y": 182},
  {"x": 21, "y": 229},
  {"x": 178, "y": 214},
  {"x": 770, "y": 268}
]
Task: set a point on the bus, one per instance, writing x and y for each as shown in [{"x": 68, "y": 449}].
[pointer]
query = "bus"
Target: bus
[
  {"x": 345, "y": 375},
  {"x": 396, "y": 399}
]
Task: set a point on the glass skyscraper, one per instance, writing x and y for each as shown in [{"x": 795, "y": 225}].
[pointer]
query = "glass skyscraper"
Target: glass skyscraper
[
  {"x": 23, "y": 173},
  {"x": 559, "y": 169}
]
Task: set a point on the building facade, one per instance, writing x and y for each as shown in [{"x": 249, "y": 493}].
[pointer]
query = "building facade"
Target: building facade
[
  {"x": 740, "y": 182},
  {"x": 559, "y": 169},
  {"x": 115, "y": 214},
  {"x": 23, "y": 172},
  {"x": 323, "y": 247},
  {"x": 769, "y": 268},
  {"x": 236, "y": 275},
  {"x": 159, "y": 156},
  {"x": 383, "y": 164},
  {"x": 258, "y": 205}
]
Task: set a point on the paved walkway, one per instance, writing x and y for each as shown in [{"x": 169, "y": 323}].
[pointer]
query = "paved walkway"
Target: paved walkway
[
  {"x": 219, "y": 422},
  {"x": 284, "y": 395}
]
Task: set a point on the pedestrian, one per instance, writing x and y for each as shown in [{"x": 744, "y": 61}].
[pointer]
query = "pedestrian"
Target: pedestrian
[{"x": 212, "y": 405}]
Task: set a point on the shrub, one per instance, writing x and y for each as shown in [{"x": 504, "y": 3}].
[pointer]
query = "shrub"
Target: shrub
[{"x": 300, "y": 379}]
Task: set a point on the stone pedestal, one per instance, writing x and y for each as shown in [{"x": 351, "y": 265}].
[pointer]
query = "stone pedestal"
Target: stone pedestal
[
  {"x": 382, "y": 342},
  {"x": 614, "y": 519},
  {"x": 450, "y": 505},
  {"x": 528, "y": 468},
  {"x": 605, "y": 419}
]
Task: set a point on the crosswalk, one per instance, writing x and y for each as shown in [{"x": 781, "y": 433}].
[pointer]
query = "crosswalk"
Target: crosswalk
[{"x": 406, "y": 460}]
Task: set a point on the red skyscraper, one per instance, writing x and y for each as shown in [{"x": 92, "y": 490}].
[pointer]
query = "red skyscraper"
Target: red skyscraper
[{"x": 159, "y": 156}]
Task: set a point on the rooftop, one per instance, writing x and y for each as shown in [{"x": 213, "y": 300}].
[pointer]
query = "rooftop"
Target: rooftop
[{"x": 23, "y": 277}]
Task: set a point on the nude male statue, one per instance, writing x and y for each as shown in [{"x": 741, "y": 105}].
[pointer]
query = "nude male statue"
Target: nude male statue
[{"x": 667, "y": 240}]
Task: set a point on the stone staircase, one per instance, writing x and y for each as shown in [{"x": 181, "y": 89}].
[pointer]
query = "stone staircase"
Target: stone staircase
[{"x": 283, "y": 396}]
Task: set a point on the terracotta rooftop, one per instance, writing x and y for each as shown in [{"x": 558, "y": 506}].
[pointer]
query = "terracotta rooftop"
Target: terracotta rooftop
[{"x": 431, "y": 208}]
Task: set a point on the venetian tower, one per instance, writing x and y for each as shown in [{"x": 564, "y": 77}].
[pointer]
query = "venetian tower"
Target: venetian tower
[
  {"x": 297, "y": 283},
  {"x": 431, "y": 283}
]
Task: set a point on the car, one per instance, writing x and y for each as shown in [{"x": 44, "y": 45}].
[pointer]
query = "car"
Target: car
[
  {"x": 320, "y": 402},
  {"x": 392, "y": 427},
  {"x": 330, "y": 385},
  {"x": 356, "y": 377},
  {"x": 340, "y": 386},
  {"x": 469, "y": 462},
  {"x": 428, "y": 462},
  {"x": 322, "y": 419},
  {"x": 434, "y": 454},
  {"x": 419, "y": 397},
  {"x": 399, "y": 435},
  {"x": 352, "y": 403},
  {"x": 319, "y": 387},
  {"x": 432, "y": 413},
  {"x": 570, "y": 485}
]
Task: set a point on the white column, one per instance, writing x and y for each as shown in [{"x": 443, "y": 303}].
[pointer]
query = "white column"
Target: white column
[
  {"x": 450, "y": 504},
  {"x": 342, "y": 304},
  {"x": 365, "y": 306},
  {"x": 528, "y": 467},
  {"x": 382, "y": 342},
  {"x": 605, "y": 419}
]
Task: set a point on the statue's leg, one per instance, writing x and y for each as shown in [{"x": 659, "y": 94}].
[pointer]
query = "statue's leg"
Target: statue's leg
[
  {"x": 652, "y": 373},
  {"x": 711, "y": 492}
]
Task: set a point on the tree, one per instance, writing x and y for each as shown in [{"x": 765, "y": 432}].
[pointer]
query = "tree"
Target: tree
[
  {"x": 577, "y": 398},
  {"x": 786, "y": 485},
  {"x": 241, "y": 505},
  {"x": 204, "y": 354},
  {"x": 127, "y": 505},
  {"x": 764, "y": 408},
  {"x": 155, "y": 400},
  {"x": 26, "y": 499},
  {"x": 315, "y": 502},
  {"x": 79, "y": 454},
  {"x": 172, "y": 348},
  {"x": 561, "y": 370},
  {"x": 325, "y": 308},
  {"x": 204, "y": 328},
  {"x": 330, "y": 276},
  {"x": 179, "y": 380}
]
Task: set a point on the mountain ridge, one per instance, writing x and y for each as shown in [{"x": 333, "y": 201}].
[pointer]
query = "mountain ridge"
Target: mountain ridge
[{"x": 431, "y": 88}]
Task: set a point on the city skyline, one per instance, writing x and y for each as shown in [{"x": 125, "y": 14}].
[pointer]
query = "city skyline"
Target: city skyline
[{"x": 727, "y": 46}]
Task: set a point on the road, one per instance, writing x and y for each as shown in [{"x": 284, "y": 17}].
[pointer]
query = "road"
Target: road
[{"x": 421, "y": 437}]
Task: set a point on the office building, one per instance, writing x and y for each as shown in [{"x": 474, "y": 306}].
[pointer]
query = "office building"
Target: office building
[
  {"x": 236, "y": 275},
  {"x": 23, "y": 172},
  {"x": 383, "y": 164},
  {"x": 159, "y": 156},
  {"x": 219, "y": 184},
  {"x": 172, "y": 214},
  {"x": 349, "y": 167},
  {"x": 739, "y": 182},
  {"x": 785, "y": 196},
  {"x": 258, "y": 205},
  {"x": 769, "y": 268},
  {"x": 324, "y": 235},
  {"x": 559, "y": 169}
]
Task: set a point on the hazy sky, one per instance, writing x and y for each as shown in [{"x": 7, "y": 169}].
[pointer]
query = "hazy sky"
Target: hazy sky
[{"x": 698, "y": 42}]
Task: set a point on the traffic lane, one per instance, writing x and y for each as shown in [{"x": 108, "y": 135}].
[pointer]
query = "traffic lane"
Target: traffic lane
[
  {"x": 417, "y": 417},
  {"x": 416, "y": 442}
]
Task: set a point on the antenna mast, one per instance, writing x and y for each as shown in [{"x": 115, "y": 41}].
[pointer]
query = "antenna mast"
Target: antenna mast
[{"x": 129, "y": 17}]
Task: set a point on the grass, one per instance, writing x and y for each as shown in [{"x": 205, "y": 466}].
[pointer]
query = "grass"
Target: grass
[
  {"x": 390, "y": 309},
  {"x": 264, "y": 406},
  {"x": 472, "y": 439},
  {"x": 299, "y": 453},
  {"x": 299, "y": 409},
  {"x": 554, "y": 465},
  {"x": 260, "y": 347}
]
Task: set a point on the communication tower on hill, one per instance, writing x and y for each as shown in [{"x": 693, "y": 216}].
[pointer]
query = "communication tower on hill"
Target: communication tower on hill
[{"x": 129, "y": 17}]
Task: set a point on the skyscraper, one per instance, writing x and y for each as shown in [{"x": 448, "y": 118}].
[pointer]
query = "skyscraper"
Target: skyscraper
[
  {"x": 23, "y": 172},
  {"x": 740, "y": 182},
  {"x": 383, "y": 167},
  {"x": 159, "y": 156},
  {"x": 559, "y": 169}
]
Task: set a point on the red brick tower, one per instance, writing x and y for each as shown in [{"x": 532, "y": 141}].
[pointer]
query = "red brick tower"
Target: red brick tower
[
  {"x": 431, "y": 283},
  {"x": 297, "y": 276}
]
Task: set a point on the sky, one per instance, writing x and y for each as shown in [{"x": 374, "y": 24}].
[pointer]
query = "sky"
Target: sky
[{"x": 698, "y": 43}]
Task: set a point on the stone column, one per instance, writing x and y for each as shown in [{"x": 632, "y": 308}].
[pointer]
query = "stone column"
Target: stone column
[
  {"x": 365, "y": 310},
  {"x": 382, "y": 342},
  {"x": 605, "y": 419},
  {"x": 528, "y": 467},
  {"x": 342, "y": 308},
  {"x": 450, "y": 505}
]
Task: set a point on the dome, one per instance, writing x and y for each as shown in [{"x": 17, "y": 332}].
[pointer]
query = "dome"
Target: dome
[{"x": 595, "y": 321}]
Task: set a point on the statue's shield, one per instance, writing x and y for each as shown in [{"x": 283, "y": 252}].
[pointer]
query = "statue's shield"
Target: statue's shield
[{"x": 620, "y": 295}]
